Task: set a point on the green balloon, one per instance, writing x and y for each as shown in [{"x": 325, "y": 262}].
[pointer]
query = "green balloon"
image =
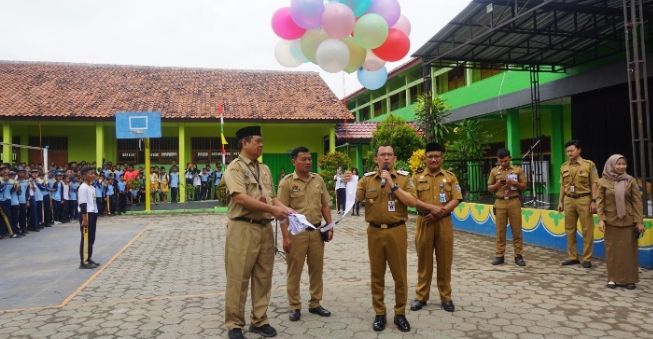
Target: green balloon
[
  {"x": 357, "y": 55},
  {"x": 310, "y": 42},
  {"x": 371, "y": 31}
]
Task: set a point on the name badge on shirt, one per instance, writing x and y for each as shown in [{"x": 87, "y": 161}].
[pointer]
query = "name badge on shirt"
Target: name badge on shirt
[
  {"x": 443, "y": 196},
  {"x": 512, "y": 176},
  {"x": 391, "y": 206}
]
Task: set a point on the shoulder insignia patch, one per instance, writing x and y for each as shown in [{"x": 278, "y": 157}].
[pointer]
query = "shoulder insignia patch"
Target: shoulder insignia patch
[
  {"x": 403, "y": 172},
  {"x": 452, "y": 173},
  {"x": 288, "y": 176},
  {"x": 369, "y": 174},
  {"x": 419, "y": 171},
  {"x": 595, "y": 170}
]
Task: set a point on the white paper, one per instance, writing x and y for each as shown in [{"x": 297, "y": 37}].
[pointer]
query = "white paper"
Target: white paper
[
  {"x": 297, "y": 223},
  {"x": 350, "y": 196}
]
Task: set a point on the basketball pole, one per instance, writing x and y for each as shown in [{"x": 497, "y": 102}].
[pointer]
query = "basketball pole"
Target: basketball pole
[{"x": 148, "y": 196}]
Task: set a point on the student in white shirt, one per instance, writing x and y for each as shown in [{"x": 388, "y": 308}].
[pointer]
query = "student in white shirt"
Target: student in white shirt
[{"x": 87, "y": 207}]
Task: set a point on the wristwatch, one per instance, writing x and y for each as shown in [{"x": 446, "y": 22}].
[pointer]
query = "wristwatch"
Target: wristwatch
[{"x": 394, "y": 188}]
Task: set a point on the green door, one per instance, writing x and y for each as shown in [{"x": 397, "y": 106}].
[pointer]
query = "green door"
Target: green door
[{"x": 276, "y": 161}]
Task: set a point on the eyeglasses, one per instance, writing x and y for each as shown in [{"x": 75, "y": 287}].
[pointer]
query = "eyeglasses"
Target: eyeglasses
[
  {"x": 433, "y": 157},
  {"x": 386, "y": 155}
]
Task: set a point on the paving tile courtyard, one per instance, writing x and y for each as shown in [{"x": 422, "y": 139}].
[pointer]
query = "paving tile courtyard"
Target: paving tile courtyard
[{"x": 168, "y": 282}]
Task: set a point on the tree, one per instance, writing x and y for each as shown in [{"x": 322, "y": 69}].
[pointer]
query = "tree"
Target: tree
[
  {"x": 470, "y": 141},
  {"x": 395, "y": 132},
  {"x": 432, "y": 114},
  {"x": 329, "y": 164}
]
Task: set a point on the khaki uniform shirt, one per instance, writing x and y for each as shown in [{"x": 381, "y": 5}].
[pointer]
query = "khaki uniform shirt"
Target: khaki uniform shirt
[
  {"x": 430, "y": 185},
  {"x": 305, "y": 197},
  {"x": 498, "y": 173},
  {"x": 582, "y": 173},
  {"x": 376, "y": 198},
  {"x": 606, "y": 204},
  {"x": 240, "y": 177}
]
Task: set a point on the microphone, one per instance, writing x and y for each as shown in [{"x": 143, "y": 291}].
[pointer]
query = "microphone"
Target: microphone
[{"x": 385, "y": 168}]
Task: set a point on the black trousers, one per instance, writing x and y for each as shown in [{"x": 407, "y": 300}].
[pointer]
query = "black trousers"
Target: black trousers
[
  {"x": 99, "y": 203},
  {"x": 15, "y": 211},
  {"x": 56, "y": 208},
  {"x": 174, "y": 191},
  {"x": 122, "y": 202},
  {"x": 22, "y": 216},
  {"x": 112, "y": 204},
  {"x": 88, "y": 238},
  {"x": 35, "y": 212},
  {"x": 72, "y": 209},
  {"x": 47, "y": 210},
  {"x": 341, "y": 194},
  {"x": 63, "y": 212},
  {"x": 5, "y": 218}
]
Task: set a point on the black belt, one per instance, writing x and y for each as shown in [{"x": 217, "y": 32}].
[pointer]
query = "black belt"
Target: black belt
[
  {"x": 317, "y": 226},
  {"x": 254, "y": 221},
  {"x": 509, "y": 198},
  {"x": 423, "y": 214},
  {"x": 576, "y": 196},
  {"x": 388, "y": 225}
]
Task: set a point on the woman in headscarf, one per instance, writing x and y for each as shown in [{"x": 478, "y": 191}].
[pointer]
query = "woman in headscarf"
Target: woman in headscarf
[{"x": 619, "y": 208}]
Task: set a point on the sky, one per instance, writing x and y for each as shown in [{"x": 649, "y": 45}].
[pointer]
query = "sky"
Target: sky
[{"x": 227, "y": 34}]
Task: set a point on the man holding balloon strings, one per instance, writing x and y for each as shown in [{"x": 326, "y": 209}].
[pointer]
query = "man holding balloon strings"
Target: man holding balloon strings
[{"x": 343, "y": 35}]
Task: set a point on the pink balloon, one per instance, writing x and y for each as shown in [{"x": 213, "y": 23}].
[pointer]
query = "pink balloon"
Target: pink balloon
[
  {"x": 388, "y": 9},
  {"x": 338, "y": 20},
  {"x": 403, "y": 25},
  {"x": 283, "y": 25}
]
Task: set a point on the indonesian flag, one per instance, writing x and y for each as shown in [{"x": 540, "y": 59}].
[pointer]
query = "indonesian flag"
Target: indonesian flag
[{"x": 224, "y": 141}]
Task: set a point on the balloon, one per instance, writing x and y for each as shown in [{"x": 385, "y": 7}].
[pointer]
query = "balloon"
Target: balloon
[
  {"x": 338, "y": 20},
  {"x": 288, "y": 53},
  {"x": 310, "y": 41},
  {"x": 357, "y": 55},
  {"x": 283, "y": 25},
  {"x": 394, "y": 48},
  {"x": 372, "y": 62},
  {"x": 388, "y": 9},
  {"x": 359, "y": 7},
  {"x": 307, "y": 13},
  {"x": 332, "y": 55},
  {"x": 370, "y": 31},
  {"x": 403, "y": 25},
  {"x": 372, "y": 80}
]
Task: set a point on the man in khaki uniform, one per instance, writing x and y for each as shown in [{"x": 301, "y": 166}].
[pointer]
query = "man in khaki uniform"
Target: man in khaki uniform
[
  {"x": 578, "y": 189},
  {"x": 438, "y": 194},
  {"x": 387, "y": 195},
  {"x": 306, "y": 193},
  {"x": 249, "y": 248},
  {"x": 506, "y": 182}
]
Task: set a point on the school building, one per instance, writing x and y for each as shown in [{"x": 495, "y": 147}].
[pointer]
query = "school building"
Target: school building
[
  {"x": 71, "y": 109},
  {"x": 550, "y": 71}
]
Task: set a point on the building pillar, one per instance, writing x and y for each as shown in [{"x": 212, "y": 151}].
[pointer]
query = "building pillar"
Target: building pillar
[
  {"x": 182, "y": 161},
  {"x": 7, "y": 137},
  {"x": 513, "y": 140},
  {"x": 359, "y": 159},
  {"x": 408, "y": 91},
  {"x": 558, "y": 154},
  {"x": 469, "y": 77},
  {"x": 332, "y": 139},
  {"x": 99, "y": 144}
]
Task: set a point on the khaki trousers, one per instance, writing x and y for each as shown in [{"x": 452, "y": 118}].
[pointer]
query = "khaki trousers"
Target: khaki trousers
[
  {"x": 388, "y": 245},
  {"x": 249, "y": 254},
  {"x": 436, "y": 237},
  {"x": 508, "y": 210},
  {"x": 579, "y": 209},
  {"x": 306, "y": 246}
]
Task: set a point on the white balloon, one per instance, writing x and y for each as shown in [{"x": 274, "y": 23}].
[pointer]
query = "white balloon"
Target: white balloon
[
  {"x": 288, "y": 53},
  {"x": 332, "y": 55},
  {"x": 403, "y": 25},
  {"x": 372, "y": 62}
]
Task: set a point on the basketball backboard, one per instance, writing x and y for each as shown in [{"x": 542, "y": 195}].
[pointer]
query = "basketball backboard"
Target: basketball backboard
[{"x": 138, "y": 125}]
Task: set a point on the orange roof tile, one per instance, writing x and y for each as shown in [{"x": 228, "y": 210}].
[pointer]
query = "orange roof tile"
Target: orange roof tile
[
  {"x": 64, "y": 91},
  {"x": 362, "y": 131}
]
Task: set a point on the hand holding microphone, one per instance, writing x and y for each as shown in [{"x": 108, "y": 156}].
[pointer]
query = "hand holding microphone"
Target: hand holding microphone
[{"x": 384, "y": 174}]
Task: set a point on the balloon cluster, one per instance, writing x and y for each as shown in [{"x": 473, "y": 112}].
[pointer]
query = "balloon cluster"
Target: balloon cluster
[{"x": 343, "y": 35}]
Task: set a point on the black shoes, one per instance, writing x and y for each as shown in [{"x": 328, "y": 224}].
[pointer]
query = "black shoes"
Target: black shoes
[
  {"x": 86, "y": 266},
  {"x": 265, "y": 330},
  {"x": 236, "y": 333},
  {"x": 379, "y": 323},
  {"x": 295, "y": 315},
  {"x": 630, "y": 286},
  {"x": 417, "y": 305},
  {"x": 321, "y": 311},
  {"x": 402, "y": 323},
  {"x": 497, "y": 261},
  {"x": 448, "y": 306},
  {"x": 570, "y": 262},
  {"x": 587, "y": 264},
  {"x": 519, "y": 260},
  {"x": 91, "y": 262}
]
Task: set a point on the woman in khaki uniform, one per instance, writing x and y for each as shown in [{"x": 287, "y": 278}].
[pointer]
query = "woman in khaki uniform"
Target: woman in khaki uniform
[{"x": 619, "y": 206}]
